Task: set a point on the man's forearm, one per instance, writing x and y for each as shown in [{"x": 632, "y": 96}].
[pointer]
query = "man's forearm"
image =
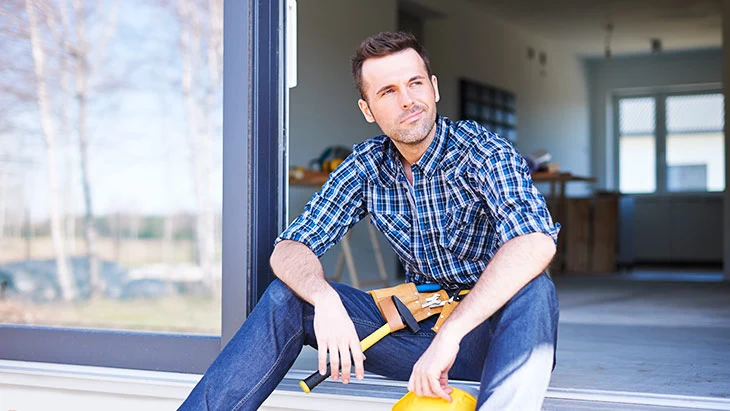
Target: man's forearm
[
  {"x": 299, "y": 268},
  {"x": 516, "y": 263}
]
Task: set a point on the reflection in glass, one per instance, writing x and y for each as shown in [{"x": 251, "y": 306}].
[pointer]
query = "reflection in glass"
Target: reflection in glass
[{"x": 110, "y": 164}]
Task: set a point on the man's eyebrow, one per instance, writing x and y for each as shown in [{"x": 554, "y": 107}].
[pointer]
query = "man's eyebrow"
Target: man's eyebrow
[{"x": 416, "y": 77}]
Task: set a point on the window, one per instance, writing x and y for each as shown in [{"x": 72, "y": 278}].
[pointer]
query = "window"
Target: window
[
  {"x": 695, "y": 143},
  {"x": 637, "y": 145},
  {"x": 671, "y": 143},
  {"x": 147, "y": 169},
  {"x": 111, "y": 216},
  {"x": 492, "y": 107}
]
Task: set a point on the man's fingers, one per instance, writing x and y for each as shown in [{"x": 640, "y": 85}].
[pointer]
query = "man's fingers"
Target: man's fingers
[
  {"x": 334, "y": 362},
  {"x": 358, "y": 358},
  {"x": 426, "y": 386},
  {"x": 346, "y": 363},
  {"x": 436, "y": 388},
  {"x": 322, "y": 358}
]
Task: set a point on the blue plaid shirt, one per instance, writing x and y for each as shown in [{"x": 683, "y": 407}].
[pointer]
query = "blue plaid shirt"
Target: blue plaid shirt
[{"x": 471, "y": 193}]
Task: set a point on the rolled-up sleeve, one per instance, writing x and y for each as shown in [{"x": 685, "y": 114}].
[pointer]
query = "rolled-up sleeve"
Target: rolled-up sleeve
[
  {"x": 515, "y": 204},
  {"x": 331, "y": 212}
]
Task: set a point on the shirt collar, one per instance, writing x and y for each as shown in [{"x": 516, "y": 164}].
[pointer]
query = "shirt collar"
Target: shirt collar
[{"x": 429, "y": 162}]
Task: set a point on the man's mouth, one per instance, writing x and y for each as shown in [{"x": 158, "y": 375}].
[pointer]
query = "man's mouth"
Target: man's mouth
[{"x": 412, "y": 117}]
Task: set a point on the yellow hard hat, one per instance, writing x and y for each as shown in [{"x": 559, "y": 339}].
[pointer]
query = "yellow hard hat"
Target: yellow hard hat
[{"x": 460, "y": 401}]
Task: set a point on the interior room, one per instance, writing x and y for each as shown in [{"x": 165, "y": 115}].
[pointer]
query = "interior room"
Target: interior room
[{"x": 610, "y": 91}]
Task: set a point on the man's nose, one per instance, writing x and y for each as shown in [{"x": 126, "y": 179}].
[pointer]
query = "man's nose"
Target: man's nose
[{"x": 406, "y": 100}]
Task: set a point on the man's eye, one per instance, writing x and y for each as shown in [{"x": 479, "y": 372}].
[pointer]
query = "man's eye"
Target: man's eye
[
  {"x": 417, "y": 83},
  {"x": 390, "y": 91}
]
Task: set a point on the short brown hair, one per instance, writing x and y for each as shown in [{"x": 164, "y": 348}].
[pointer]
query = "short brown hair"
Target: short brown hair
[{"x": 381, "y": 45}]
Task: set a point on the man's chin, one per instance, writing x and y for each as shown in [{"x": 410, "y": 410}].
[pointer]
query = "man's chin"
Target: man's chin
[{"x": 410, "y": 140}]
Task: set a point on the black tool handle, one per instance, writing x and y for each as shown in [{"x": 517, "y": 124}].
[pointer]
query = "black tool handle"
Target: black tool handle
[
  {"x": 315, "y": 379},
  {"x": 308, "y": 384}
]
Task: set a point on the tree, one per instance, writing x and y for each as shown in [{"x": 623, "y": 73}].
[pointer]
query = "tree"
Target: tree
[
  {"x": 61, "y": 53},
  {"x": 65, "y": 279},
  {"x": 85, "y": 58},
  {"x": 201, "y": 31}
]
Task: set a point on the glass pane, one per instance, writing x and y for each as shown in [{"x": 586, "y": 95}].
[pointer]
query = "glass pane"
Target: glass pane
[
  {"x": 637, "y": 145},
  {"x": 637, "y": 115},
  {"x": 637, "y": 169},
  {"x": 695, "y": 113},
  {"x": 696, "y": 162},
  {"x": 110, "y": 165},
  {"x": 695, "y": 143}
]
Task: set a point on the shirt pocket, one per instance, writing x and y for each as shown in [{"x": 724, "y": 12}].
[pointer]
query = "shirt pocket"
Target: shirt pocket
[
  {"x": 464, "y": 232},
  {"x": 397, "y": 230}
]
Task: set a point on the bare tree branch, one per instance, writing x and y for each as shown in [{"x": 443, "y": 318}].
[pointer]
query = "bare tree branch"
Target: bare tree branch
[{"x": 65, "y": 279}]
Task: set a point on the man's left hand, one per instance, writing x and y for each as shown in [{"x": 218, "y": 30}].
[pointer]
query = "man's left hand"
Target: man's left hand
[{"x": 430, "y": 374}]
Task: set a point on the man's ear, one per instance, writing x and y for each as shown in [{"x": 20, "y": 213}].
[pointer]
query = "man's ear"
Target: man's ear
[
  {"x": 366, "y": 111},
  {"x": 435, "y": 83}
]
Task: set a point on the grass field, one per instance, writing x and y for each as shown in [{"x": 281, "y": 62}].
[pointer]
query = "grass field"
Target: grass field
[
  {"x": 188, "y": 314},
  {"x": 175, "y": 313},
  {"x": 127, "y": 252}
]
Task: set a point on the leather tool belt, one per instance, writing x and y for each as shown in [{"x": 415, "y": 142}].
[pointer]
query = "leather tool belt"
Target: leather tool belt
[{"x": 421, "y": 304}]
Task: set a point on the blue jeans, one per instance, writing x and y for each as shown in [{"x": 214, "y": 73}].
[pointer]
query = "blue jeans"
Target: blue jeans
[{"x": 512, "y": 353}]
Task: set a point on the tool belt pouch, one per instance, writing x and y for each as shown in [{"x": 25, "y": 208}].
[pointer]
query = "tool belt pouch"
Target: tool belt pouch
[
  {"x": 407, "y": 293},
  {"x": 445, "y": 313},
  {"x": 415, "y": 301}
]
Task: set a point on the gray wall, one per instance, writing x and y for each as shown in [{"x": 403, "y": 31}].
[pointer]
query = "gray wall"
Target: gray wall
[
  {"x": 552, "y": 109},
  {"x": 643, "y": 72}
]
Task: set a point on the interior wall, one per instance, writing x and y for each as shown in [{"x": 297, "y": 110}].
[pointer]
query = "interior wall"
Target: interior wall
[
  {"x": 638, "y": 72},
  {"x": 463, "y": 41},
  {"x": 552, "y": 100}
]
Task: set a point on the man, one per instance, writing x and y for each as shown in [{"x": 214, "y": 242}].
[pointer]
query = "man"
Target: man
[{"x": 458, "y": 206}]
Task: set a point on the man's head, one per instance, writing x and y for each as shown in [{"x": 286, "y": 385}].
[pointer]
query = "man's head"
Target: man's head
[{"x": 397, "y": 87}]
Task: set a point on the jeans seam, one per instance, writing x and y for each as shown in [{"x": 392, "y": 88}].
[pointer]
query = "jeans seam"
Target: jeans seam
[
  {"x": 268, "y": 373},
  {"x": 366, "y": 323}
]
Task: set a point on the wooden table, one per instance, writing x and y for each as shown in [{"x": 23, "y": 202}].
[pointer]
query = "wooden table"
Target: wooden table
[
  {"x": 558, "y": 180},
  {"x": 308, "y": 178}
]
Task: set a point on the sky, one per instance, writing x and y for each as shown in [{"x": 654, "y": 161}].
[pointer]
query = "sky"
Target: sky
[{"x": 140, "y": 159}]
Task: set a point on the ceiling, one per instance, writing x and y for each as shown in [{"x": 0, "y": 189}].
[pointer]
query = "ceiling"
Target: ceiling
[{"x": 580, "y": 25}]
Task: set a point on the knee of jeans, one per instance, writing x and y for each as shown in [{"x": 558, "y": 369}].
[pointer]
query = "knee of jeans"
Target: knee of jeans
[
  {"x": 279, "y": 294},
  {"x": 540, "y": 294}
]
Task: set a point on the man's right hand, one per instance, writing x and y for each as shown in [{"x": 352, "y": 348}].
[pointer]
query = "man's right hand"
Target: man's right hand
[{"x": 335, "y": 333}]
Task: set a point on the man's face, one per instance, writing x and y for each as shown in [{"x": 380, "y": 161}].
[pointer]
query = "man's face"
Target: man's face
[{"x": 400, "y": 96}]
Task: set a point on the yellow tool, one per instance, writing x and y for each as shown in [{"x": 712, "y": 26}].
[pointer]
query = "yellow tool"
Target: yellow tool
[
  {"x": 460, "y": 401},
  {"x": 398, "y": 317}
]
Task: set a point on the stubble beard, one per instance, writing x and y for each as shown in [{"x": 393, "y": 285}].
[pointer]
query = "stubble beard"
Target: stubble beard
[{"x": 418, "y": 132}]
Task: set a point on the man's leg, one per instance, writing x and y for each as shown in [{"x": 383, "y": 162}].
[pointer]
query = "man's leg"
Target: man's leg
[
  {"x": 256, "y": 359},
  {"x": 512, "y": 353}
]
